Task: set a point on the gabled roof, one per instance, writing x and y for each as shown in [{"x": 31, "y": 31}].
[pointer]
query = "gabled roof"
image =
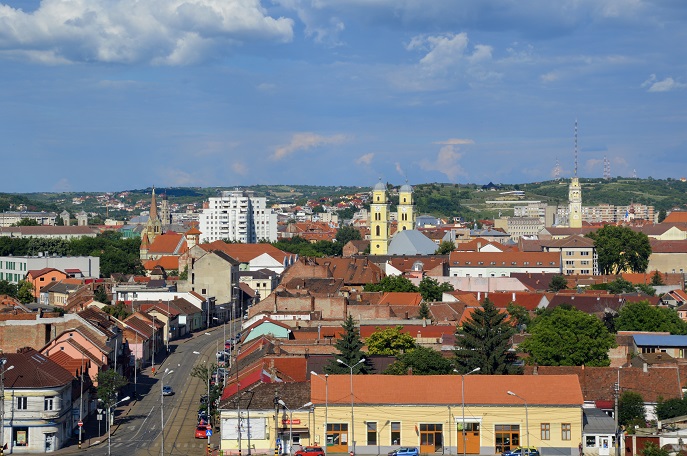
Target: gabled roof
[
  {"x": 168, "y": 262},
  {"x": 588, "y": 303},
  {"x": 574, "y": 241},
  {"x": 245, "y": 253},
  {"x": 676, "y": 217},
  {"x": 505, "y": 259},
  {"x": 529, "y": 301},
  {"x": 35, "y": 273},
  {"x": 370, "y": 390},
  {"x": 407, "y": 264},
  {"x": 168, "y": 243},
  {"x": 478, "y": 243},
  {"x": 34, "y": 370},
  {"x": 658, "y": 246},
  {"x": 411, "y": 242},
  {"x": 400, "y": 298}
]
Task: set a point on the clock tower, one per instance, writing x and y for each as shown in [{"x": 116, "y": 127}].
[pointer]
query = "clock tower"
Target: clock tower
[
  {"x": 379, "y": 220},
  {"x": 406, "y": 208}
]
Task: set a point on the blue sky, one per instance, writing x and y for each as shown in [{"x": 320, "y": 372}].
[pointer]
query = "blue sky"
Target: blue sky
[{"x": 104, "y": 95}]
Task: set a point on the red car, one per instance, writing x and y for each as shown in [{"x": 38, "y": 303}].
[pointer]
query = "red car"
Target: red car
[
  {"x": 201, "y": 432},
  {"x": 310, "y": 451}
]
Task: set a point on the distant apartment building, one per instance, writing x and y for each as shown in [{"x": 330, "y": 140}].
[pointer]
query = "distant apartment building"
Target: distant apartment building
[
  {"x": 517, "y": 227},
  {"x": 538, "y": 209},
  {"x": 238, "y": 216},
  {"x": 14, "y": 217},
  {"x": 14, "y": 268},
  {"x": 609, "y": 213}
]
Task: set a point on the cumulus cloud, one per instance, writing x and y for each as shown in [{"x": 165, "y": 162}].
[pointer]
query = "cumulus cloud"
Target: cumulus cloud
[
  {"x": 666, "y": 85},
  {"x": 365, "y": 159},
  {"x": 305, "y": 141},
  {"x": 167, "y": 32},
  {"x": 447, "y": 160}
]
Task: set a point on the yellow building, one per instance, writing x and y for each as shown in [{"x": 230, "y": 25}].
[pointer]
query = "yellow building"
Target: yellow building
[
  {"x": 379, "y": 220},
  {"x": 575, "y": 203},
  {"x": 406, "y": 208}
]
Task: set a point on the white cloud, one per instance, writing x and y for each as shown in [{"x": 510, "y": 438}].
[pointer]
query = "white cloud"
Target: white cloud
[
  {"x": 447, "y": 160},
  {"x": 399, "y": 169},
  {"x": 170, "y": 32},
  {"x": 455, "y": 141},
  {"x": 239, "y": 168},
  {"x": 365, "y": 159},
  {"x": 177, "y": 177},
  {"x": 62, "y": 185},
  {"x": 305, "y": 141},
  {"x": 266, "y": 87},
  {"x": 665, "y": 85}
]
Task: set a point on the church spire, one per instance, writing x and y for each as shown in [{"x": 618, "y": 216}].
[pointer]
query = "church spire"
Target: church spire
[{"x": 153, "y": 206}]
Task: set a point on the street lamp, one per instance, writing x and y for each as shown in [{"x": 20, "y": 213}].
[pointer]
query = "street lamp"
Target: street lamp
[
  {"x": 527, "y": 421},
  {"x": 283, "y": 404},
  {"x": 3, "y": 369},
  {"x": 352, "y": 421},
  {"x": 462, "y": 395},
  {"x": 109, "y": 425},
  {"x": 326, "y": 405},
  {"x": 162, "y": 409}
]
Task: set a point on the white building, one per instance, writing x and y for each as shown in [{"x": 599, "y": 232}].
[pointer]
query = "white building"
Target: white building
[
  {"x": 14, "y": 268},
  {"x": 238, "y": 216}
]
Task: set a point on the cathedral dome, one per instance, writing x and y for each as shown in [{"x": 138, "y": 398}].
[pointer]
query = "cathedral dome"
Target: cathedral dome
[
  {"x": 379, "y": 187},
  {"x": 405, "y": 188}
]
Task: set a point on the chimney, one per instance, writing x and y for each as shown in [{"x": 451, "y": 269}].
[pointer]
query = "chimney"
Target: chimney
[
  {"x": 645, "y": 368},
  {"x": 479, "y": 295},
  {"x": 513, "y": 296}
]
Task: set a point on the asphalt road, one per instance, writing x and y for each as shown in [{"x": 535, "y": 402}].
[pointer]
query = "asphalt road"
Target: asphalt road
[{"x": 136, "y": 431}]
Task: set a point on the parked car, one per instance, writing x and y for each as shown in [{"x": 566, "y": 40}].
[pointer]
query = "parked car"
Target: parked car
[
  {"x": 201, "y": 432},
  {"x": 310, "y": 451},
  {"x": 521, "y": 451},
  {"x": 204, "y": 399},
  {"x": 167, "y": 390},
  {"x": 405, "y": 451}
]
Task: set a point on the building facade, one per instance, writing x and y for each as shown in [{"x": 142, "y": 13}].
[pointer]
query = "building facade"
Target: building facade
[
  {"x": 379, "y": 220},
  {"x": 14, "y": 268},
  {"x": 238, "y": 216}
]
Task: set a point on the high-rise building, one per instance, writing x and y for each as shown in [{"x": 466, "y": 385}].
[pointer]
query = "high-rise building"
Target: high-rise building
[{"x": 238, "y": 216}]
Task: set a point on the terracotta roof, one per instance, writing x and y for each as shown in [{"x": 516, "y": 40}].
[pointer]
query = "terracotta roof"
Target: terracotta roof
[
  {"x": 169, "y": 243},
  {"x": 400, "y": 298},
  {"x": 676, "y": 217},
  {"x": 574, "y": 241},
  {"x": 429, "y": 331},
  {"x": 658, "y": 246},
  {"x": 445, "y": 390},
  {"x": 505, "y": 259},
  {"x": 244, "y": 253},
  {"x": 34, "y": 370},
  {"x": 446, "y": 313},
  {"x": 529, "y": 301},
  {"x": 406, "y": 264},
  {"x": 474, "y": 245},
  {"x": 315, "y": 286},
  {"x": 588, "y": 303},
  {"x": 168, "y": 262},
  {"x": 35, "y": 273}
]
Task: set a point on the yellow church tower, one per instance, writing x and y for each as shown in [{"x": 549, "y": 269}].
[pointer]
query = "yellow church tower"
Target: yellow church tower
[
  {"x": 406, "y": 208},
  {"x": 379, "y": 220},
  {"x": 575, "y": 195}
]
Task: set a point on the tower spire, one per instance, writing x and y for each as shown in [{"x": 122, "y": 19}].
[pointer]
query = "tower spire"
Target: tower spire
[
  {"x": 153, "y": 206},
  {"x": 575, "y": 147}
]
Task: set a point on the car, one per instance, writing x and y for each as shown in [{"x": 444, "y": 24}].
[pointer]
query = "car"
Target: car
[
  {"x": 201, "y": 431},
  {"x": 521, "y": 451},
  {"x": 405, "y": 451},
  {"x": 312, "y": 450},
  {"x": 204, "y": 399},
  {"x": 167, "y": 390}
]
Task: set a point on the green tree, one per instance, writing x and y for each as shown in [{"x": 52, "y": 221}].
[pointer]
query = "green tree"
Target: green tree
[
  {"x": 445, "y": 248},
  {"x": 109, "y": 384},
  {"x": 621, "y": 249},
  {"x": 392, "y": 283},
  {"x": 558, "y": 283},
  {"x": 642, "y": 316},
  {"x": 671, "y": 408},
  {"x": 421, "y": 361},
  {"x": 8, "y": 288},
  {"x": 389, "y": 341},
  {"x": 646, "y": 289},
  {"x": 631, "y": 408},
  {"x": 349, "y": 348},
  {"x": 651, "y": 449},
  {"x": 100, "y": 295},
  {"x": 59, "y": 221},
  {"x": 661, "y": 215},
  {"x": 519, "y": 315},
  {"x": 568, "y": 337},
  {"x": 347, "y": 233},
  {"x": 119, "y": 310},
  {"x": 431, "y": 290},
  {"x": 204, "y": 372},
  {"x": 484, "y": 342},
  {"x": 184, "y": 274},
  {"x": 26, "y": 222},
  {"x": 656, "y": 279},
  {"x": 25, "y": 292},
  {"x": 424, "y": 312}
]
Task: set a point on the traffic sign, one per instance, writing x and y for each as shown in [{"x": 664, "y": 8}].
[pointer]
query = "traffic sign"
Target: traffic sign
[
  {"x": 80, "y": 423},
  {"x": 208, "y": 432},
  {"x": 207, "y": 426},
  {"x": 100, "y": 410}
]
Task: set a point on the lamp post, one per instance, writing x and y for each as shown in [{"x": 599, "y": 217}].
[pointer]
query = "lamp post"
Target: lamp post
[
  {"x": 527, "y": 421},
  {"x": 326, "y": 405},
  {"x": 3, "y": 369},
  {"x": 352, "y": 420},
  {"x": 283, "y": 404},
  {"x": 462, "y": 395},
  {"x": 109, "y": 408},
  {"x": 162, "y": 409}
]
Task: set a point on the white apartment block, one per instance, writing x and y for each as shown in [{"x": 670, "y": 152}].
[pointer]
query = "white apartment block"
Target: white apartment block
[
  {"x": 609, "y": 213},
  {"x": 14, "y": 268},
  {"x": 12, "y": 218},
  {"x": 518, "y": 227},
  {"x": 238, "y": 216}
]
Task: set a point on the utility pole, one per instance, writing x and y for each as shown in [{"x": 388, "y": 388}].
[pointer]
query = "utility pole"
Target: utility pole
[{"x": 616, "y": 394}]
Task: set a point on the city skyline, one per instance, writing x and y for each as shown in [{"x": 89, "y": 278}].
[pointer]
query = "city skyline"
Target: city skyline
[{"x": 103, "y": 96}]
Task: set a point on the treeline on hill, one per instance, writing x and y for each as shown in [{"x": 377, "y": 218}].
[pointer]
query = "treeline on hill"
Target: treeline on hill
[
  {"x": 116, "y": 253},
  {"x": 10, "y": 202},
  {"x": 443, "y": 200}
]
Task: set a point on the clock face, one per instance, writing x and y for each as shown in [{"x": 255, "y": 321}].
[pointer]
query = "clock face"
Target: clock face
[{"x": 405, "y": 209}]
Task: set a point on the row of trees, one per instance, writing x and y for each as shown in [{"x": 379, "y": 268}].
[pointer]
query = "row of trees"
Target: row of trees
[{"x": 23, "y": 291}]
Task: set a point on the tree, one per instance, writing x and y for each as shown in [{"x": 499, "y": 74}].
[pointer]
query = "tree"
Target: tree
[
  {"x": 656, "y": 279},
  {"x": 558, "y": 283},
  {"x": 519, "y": 315},
  {"x": 184, "y": 273},
  {"x": 671, "y": 408},
  {"x": 389, "y": 341},
  {"x": 100, "y": 295},
  {"x": 424, "y": 311},
  {"x": 26, "y": 222},
  {"x": 631, "y": 408},
  {"x": 566, "y": 336},
  {"x": 484, "y": 342},
  {"x": 347, "y": 233},
  {"x": 642, "y": 316},
  {"x": 661, "y": 215},
  {"x": 204, "y": 373},
  {"x": 621, "y": 249},
  {"x": 109, "y": 384},
  {"x": 119, "y": 310},
  {"x": 350, "y": 351},
  {"x": 25, "y": 292},
  {"x": 651, "y": 449},
  {"x": 431, "y": 290},
  {"x": 445, "y": 248},
  {"x": 421, "y": 361},
  {"x": 8, "y": 288},
  {"x": 59, "y": 221},
  {"x": 392, "y": 283}
]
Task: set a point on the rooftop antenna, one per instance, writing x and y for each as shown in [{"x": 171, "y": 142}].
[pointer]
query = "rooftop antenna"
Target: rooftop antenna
[{"x": 575, "y": 147}]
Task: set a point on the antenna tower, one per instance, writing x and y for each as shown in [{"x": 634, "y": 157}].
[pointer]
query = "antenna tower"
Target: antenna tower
[
  {"x": 557, "y": 170},
  {"x": 607, "y": 168},
  {"x": 575, "y": 147},
  {"x": 634, "y": 174}
]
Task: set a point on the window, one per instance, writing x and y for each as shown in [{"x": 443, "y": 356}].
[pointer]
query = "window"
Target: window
[
  {"x": 569, "y": 263},
  {"x": 566, "y": 431},
  {"x": 49, "y": 403},
  {"x": 395, "y": 433},
  {"x": 568, "y": 253},
  {"x": 371, "y": 433},
  {"x": 22, "y": 403},
  {"x": 584, "y": 253},
  {"x": 546, "y": 431}
]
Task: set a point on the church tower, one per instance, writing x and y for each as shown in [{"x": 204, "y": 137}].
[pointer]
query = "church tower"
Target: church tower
[
  {"x": 152, "y": 229},
  {"x": 379, "y": 220},
  {"x": 406, "y": 208},
  {"x": 165, "y": 216},
  {"x": 575, "y": 195}
]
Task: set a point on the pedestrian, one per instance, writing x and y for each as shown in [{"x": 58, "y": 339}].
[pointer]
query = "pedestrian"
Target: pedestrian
[{"x": 580, "y": 448}]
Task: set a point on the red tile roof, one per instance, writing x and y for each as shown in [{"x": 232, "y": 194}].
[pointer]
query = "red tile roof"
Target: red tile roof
[
  {"x": 168, "y": 243},
  {"x": 505, "y": 259},
  {"x": 400, "y": 298}
]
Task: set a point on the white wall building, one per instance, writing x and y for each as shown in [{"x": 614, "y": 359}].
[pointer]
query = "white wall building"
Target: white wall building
[
  {"x": 14, "y": 268},
  {"x": 238, "y": 216}
]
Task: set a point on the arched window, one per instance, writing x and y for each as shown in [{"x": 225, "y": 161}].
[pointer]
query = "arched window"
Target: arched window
[{"x": 377, "y": 231}]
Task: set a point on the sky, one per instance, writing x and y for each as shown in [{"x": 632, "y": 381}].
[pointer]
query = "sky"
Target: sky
[{"x": 108, "y": 95}]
